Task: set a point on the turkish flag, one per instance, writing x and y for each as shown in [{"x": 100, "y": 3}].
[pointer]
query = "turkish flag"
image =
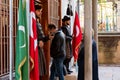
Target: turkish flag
[
  {"x": 34, "y": 67},
  {"x": 77, "y": 36}
]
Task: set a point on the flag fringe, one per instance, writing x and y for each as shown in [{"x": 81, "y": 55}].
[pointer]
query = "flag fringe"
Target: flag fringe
[
  {"x": 32, "y": 61},
  {"x": 19, "y": 68}
]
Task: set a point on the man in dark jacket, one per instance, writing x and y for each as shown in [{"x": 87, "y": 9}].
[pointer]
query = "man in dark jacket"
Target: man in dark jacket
[
  {"x": 57, "y": 52},
  {"x": 67, "y": 31}
]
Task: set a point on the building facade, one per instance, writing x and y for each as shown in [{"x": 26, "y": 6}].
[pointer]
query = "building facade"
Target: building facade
[{"x": 51, "y": 14}]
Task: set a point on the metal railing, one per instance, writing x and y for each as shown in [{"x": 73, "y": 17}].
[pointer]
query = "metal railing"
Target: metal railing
[{"x": 4, "y": 34}]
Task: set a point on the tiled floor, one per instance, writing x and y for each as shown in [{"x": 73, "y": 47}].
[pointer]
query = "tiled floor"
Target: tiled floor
[
  {"x": 105, "y": 73},
  {"x": 109, "y": 73}
]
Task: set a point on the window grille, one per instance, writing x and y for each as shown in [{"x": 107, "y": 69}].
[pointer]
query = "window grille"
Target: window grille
[{"x": 4, "y": 34}]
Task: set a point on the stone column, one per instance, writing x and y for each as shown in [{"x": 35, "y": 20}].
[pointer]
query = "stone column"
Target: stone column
[
  {"x": 94, "y": 21},
  {"x": 88, "y": 38}
]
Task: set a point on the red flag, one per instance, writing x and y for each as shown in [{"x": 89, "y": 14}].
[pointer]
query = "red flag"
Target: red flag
[
  {"x": 34, "y": 68},
  {"x": 77, "y": 36}
]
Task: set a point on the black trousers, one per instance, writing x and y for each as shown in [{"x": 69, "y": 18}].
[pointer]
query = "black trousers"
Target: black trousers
[{"x": 66, "y": 63}]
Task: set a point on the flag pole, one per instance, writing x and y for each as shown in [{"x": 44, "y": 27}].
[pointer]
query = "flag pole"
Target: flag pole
[
  {"x": 28, "y": 22},
  {"x": 11, "y": 36},
  {"x": 78, "y": 8}
]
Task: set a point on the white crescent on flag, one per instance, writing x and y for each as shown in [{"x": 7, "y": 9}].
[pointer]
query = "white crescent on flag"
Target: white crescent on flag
[
  {"x": 32, "y": 15},
  {"x": 77, "y": 30},
  {"x": 22, "y": 28},
  {"x": 31, "y": 29}
]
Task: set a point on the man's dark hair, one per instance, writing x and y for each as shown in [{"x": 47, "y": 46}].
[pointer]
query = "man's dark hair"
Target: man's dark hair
[
  {"x": 37, "y": 7},
  {"x": 65, "y": 18},
  {"x": 52, "y": 26}
]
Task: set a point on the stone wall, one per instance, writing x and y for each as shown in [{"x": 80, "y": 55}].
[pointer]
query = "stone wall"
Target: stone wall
[{"x": 109, "y": 50}]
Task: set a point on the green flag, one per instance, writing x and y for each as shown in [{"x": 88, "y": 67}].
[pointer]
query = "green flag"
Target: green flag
[{"x": 21, "y": 64}]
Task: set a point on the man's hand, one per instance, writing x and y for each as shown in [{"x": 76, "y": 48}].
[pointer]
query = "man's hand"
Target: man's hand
[
  {"x": 41, "y": 44},
  {"x": 51, "y": 36}
]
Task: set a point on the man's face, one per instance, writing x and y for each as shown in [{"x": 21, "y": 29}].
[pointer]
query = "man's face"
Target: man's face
[
  {"x": 68, "y": 22},
  {"x": 52, "y": 32},
  {"x": 38, "y": 13}
]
